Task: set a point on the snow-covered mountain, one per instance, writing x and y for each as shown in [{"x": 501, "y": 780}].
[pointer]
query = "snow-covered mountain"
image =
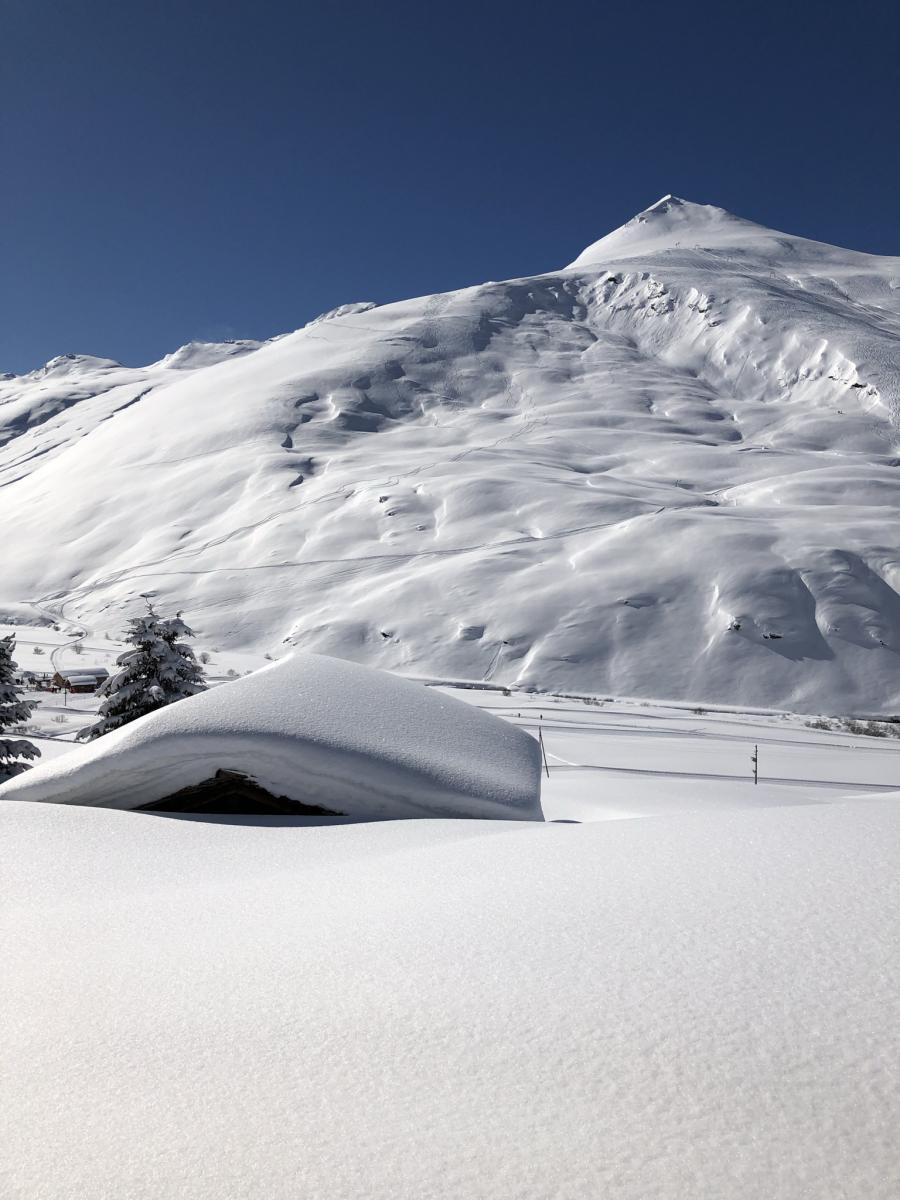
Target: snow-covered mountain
[{"x": 669, "y": 469}]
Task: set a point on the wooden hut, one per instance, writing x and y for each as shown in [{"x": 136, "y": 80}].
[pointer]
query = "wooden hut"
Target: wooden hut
[{"x": 84, "y": 680}]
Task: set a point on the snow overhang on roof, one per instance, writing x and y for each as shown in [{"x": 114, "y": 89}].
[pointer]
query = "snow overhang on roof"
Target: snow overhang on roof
[{"x": 315, "y": 730}]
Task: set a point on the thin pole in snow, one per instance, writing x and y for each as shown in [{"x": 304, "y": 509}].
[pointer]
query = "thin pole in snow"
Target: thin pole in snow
[
  {"x": 754, "y": 759},
  {"x": 543, "y": 748}
]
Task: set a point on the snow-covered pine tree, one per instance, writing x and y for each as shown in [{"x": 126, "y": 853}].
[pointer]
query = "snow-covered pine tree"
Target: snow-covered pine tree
[
  {"x": 188, "y": 676},
  {"x": 159, "y": 670},
  {"x": 13, "y": 711}
]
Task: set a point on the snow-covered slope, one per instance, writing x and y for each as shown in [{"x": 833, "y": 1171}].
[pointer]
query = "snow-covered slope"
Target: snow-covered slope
[
  {"x": 316, "y": 730},
  {"x": 669, "y": 469}
]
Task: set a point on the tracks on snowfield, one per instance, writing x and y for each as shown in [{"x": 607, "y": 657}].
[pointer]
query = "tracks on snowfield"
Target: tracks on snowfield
[
  {"x": 58, "y": 616},
  {"x": 353, "y": 562}
]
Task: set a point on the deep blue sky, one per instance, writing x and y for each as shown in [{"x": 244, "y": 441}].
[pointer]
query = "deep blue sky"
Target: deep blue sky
[{"x": 205, "y": 170}]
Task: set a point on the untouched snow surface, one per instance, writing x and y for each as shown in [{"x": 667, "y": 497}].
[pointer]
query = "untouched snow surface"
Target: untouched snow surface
[
  {"x": 313, "y": 729},
  {"x": 669, "y": 469},
  {"x": 699, "y": 1005}
]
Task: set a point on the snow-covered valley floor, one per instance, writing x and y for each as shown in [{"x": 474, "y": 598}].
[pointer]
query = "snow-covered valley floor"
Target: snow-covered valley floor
[
  {"x": 607, "y": 758},
  {"x": 631, "y": 759},
  {"x": 698, "y": 1003}
]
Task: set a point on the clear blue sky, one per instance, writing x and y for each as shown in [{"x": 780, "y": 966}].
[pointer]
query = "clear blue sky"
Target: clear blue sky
[{"x": 207, "y": 170}]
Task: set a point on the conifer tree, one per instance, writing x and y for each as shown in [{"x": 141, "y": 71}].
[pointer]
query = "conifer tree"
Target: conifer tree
[
  {"x": 13, "y": 711},
  {"x": 188, "y": 678},
  {"x": 160, "y": 669}
]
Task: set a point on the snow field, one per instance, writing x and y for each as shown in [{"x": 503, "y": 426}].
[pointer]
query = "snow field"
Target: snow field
[
  {"x": 618, "y": 759},
  {"x": 701, "y": 1004}
]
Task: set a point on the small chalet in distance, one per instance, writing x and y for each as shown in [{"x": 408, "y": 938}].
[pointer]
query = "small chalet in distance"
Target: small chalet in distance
[{"x": 79, "y": 679}]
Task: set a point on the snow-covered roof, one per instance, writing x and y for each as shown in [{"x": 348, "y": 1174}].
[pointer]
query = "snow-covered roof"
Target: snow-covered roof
[{"x": 315, "y": 730}]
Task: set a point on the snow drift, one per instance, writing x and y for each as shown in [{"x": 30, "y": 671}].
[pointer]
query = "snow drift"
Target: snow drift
[
  {"x": 668, "y": 469},
  {"x": 315, "y": 730},
  {"x": 703, "y": 1005}
]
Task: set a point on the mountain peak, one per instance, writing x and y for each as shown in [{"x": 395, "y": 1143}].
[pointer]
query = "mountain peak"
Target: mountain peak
[
  {"x": 672, "y": 223},
  {"x": 72, "y": 364},
  {"x": 193, "y": 355},
  {"x": 667, "y": 202},
  {"x": 677, "y": 208}
]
